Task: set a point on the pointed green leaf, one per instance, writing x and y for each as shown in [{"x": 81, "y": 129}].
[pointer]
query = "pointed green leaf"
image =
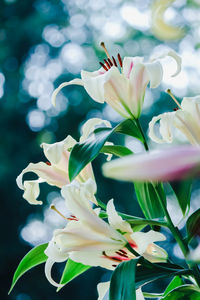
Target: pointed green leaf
[
  {"x": 72, "y": 270},
  {"x": 33, "y": 258},
  {"x": 116, "y": 150},
  {"x": 182, "y": 190},
  {"x": 186, "y": 292},
  {"x": 193, "y": 225},
  {"x": 148, "y": 272},
  {"x": 83, "y": 153},
  {"x": 176, "y": 281},
  {"x": 147, "y": 196},
  {"x": 122, "y": 284}
]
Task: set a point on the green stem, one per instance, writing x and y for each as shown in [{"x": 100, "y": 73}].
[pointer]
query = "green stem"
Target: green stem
[
  {"x": 142, "y": 133},
  {"x": 179, "y": 239},
  {"x": 174, "y": 230}
]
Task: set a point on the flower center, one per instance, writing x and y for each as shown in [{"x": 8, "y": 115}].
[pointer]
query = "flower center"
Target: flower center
[{"x": 110, "y": 62}]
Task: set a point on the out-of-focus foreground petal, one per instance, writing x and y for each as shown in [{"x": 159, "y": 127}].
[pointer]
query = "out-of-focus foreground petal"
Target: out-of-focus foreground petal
[
  {"x": 164, "y": 165},
  {"x": 160, "y": 28}
]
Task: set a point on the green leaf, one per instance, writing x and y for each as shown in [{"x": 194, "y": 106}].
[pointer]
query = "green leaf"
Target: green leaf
[
  {"x": 176, "y": 281},
  {"x": 186, "y": 292},
  {"x": 122, "y": 285},
  {"x": 147, "y": 196},
  {"x": 72, "y": 270},
  {"x": 182, "y": 190},
  {"x": 193, "y": 225},
  {"x": 116, "y": 150},
  {"x": 83, "y": 153},
  {"x": 148, "y": 272},
  {"x": 33, "y": 258}
]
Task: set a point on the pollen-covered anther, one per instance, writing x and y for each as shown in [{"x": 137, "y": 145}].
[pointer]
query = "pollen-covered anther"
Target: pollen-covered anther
[
  {"x": 48, "y": 163},
  {"x": 119, "y": 59},
  {"x": 107, "y": 64},
  {"x": 71, "y": 218},
  {"x": 103, "y": 66}
]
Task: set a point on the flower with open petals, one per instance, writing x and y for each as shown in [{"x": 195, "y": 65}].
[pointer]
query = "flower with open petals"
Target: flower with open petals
[
  {"x": 103, "y": 288},
  {"x": 186, "y": 120},
  {"x": 90, "y": 240},
  {"x": 55, "y": 170},
  {"x": 122, "y": 84},
  {"x": 157, "y": 165}
]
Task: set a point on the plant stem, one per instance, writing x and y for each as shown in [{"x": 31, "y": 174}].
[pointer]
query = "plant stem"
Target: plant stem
[
  {"x": 142, "y": 133},
  {"x": 179, "y": 239},
  {"x": 174, "y": 230}
]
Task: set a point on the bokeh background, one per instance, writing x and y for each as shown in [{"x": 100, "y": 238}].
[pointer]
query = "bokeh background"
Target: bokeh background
[{"x": 46, "y": 42}]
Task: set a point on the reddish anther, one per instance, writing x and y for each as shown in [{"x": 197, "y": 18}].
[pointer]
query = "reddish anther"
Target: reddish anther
[
  {"x": 114, "y": 61},
  {"x": 110, "y": 62},
  {"x": 48, "y": 163},
  {"x": 103, "y": 66},
  {"x": 107, "y": 64},
  {"x": 119, "y": 59}
]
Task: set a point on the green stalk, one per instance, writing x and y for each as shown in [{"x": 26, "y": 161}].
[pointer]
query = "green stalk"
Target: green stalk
[
  {"x": 142, "y": 133},
  {"x": 174, "y": 230}
]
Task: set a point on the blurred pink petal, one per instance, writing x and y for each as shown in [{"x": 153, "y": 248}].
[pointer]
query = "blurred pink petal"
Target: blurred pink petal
[{"x": 163, "y": 165}]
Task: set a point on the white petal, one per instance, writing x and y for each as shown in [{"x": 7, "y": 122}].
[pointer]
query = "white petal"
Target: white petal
[
  {"x": 90, "y": 126},
  {"x": 115, "y": 220},
  {"x": 93, "y": 258},
  {"x": 154, "y": 253},
  {"x": 32, "y": 191},
  {"x": 129, "y": 63},
  {"x": 54, "y": 152},
  {"x": 94, "y": 84},
  {"x": 139, "y": 295},
  {"x": 155, "y": 73},
  {"x": 75, "y": 81},
  {"x": 48, "y": 266},
  {"x": 178, "y": 60},
  {"x": 172, "y": 54},
  {"x": 54, "y": 253},
  {"x": 143, "y": 239},
  {"x": 102, "y": 289},
  {"x": 166, "y": 131}
]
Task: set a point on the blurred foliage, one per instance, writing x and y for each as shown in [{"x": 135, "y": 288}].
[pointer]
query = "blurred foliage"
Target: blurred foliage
[{"x": 45, "y": 42}]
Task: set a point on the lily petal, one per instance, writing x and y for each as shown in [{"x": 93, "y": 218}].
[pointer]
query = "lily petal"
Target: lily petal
[
  {"x": 102, "y": 289},
  {"x": 164, "y": 165},
  {"x": 144, "y": 239},
  {"x": 32, "y": 191},
  {"x": 115, "y": 220},
  {"x": 48, "y": 266},
  {"x": 90, "y": 125},
  {"x": 54, "y": 152},
  {"x": 76, "y": 81},
  {"x": 166, "y": 128}
]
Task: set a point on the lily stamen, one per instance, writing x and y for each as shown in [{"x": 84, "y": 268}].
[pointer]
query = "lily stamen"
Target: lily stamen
[
  {"x": 168, "y": 91},
  {"x": 103, "y": 66},
  {"x": 119, "y": 59},
  {"x": 104, "y": 48},
  {"x": 72, "y": 218},
  {"x": 107, "y": 63}
]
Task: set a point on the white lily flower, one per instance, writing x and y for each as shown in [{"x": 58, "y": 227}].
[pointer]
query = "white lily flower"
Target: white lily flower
[
  {"x": 55, "y": 171},
  {"x": 103, "y": 288},
  {"x": 121, "y": 85},
  {"x": 90, "y": 240},
  {"x": 186, "y": 120}
]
